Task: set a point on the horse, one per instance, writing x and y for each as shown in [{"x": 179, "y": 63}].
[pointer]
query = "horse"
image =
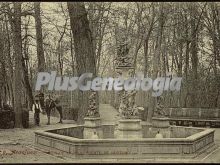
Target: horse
[{"x": 49, "y": 105}]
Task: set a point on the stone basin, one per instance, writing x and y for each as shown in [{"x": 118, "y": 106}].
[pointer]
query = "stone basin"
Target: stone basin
[{"x": 184, "y": 142}]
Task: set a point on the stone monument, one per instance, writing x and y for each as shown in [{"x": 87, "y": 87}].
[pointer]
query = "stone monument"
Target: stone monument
[
  {"x": 92, "y": 120},
  {"x": 160, "y": 121},
  {"x": 129, "y": 125}
]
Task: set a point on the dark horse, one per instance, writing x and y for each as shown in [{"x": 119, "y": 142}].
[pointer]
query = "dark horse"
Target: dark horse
[{"x": 49, "y": 105}]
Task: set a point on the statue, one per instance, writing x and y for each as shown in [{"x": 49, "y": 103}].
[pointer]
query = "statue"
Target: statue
[
  {"x": 132, "y": 107},
  {"x": 123, "y": 59},
  {"x": 159, "y": 110},
  {"x": 127, "y": 107},
  {"x": 92, "y": 109},
  {"x": 123, "y": 107}
]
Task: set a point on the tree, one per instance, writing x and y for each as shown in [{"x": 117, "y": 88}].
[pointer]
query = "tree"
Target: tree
[
  {"x": 18, "y": 64},
  {"x": 157, "y": 57},
  {"x": 38, "y": 26},
  {"x": 25, "y": 70},
  {"x": 84, "y": 50}
]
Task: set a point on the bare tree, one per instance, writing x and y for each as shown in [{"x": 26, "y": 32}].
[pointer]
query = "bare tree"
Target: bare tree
[
  {"x": 38, "y": 26},
  {"x": 84, "y": 50},
  {"x": 18, "y": 65}
]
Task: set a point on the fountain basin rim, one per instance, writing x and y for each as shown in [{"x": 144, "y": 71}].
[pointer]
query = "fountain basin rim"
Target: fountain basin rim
[
  {"x": 189, "y": 139},
  {"x": 187, "y": 147},
  {"x": 200, "y": 134},
  {"x": 77, "y": 140}
]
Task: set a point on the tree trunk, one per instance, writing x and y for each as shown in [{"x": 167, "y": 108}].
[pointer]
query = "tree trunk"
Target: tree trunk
[
  {"x": 156, "y": 62},
  {"x": 72, "y": 56},
  {"x": 10, "y": 56},
  {"x": 25, "y": 71},
  {"x": 194, "y": 60},
  {"x": 18, "y": 65},
  {"x": 84, "y": 50},
  {"x": 38, "y": 26}
]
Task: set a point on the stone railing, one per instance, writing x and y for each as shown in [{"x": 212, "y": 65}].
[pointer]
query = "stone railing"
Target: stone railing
[{"x": 198, "y": 113}]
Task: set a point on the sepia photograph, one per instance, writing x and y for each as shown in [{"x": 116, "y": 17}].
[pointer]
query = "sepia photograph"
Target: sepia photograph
[{"x": 109, "y": 82}]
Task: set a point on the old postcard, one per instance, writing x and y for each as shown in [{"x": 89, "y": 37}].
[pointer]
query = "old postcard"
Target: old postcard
[{"x": 109, "y": 82}]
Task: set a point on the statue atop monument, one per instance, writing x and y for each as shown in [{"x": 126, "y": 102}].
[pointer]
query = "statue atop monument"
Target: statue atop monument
[
  {"x": 124, "y": 68},
  {"x": 123, "y": 60}
]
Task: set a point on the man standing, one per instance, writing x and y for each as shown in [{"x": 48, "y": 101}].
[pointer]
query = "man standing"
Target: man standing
[
  {"x": 36, "y": 108},
  {"x": 40, "y": 95}
]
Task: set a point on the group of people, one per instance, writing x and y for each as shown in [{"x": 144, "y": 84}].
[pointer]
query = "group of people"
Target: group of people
[{"x": 40, "y": 105}]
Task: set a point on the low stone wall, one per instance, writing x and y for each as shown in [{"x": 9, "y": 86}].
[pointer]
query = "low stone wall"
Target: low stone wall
[
  {"x": 175, "y": 131},
  {"x": 128, "y": 148},
  {"x": 197, "y": 113},
  {"x": 77, "y": 131},
  {"x": 147, "y": 130},
  {"x": 200, "y": 140},
  {"x": 180, "y": 132}
]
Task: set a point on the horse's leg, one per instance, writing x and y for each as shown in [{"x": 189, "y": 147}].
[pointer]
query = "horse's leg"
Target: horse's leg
[
  {"x": 48, "y": 116},
  {"x": 61, "y": 114}
]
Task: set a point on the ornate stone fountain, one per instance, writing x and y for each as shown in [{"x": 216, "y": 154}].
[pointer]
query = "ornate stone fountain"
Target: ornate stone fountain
[
  {"x": 130, "y": 142},
  {"x": 129, "y": 126}
]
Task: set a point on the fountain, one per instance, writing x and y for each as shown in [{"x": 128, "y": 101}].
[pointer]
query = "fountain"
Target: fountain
[
  {"x": 131, "y": 138},
  {"x": 130, "y": 125}
]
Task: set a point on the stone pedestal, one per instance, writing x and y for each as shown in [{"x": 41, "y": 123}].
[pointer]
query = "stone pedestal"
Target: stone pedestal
[
  {"x": 147, "y": 129},
  {"x": 92, "y": 125},
  {"x": 129, "y": 129},
  {"x": 161, "y": 124}
]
